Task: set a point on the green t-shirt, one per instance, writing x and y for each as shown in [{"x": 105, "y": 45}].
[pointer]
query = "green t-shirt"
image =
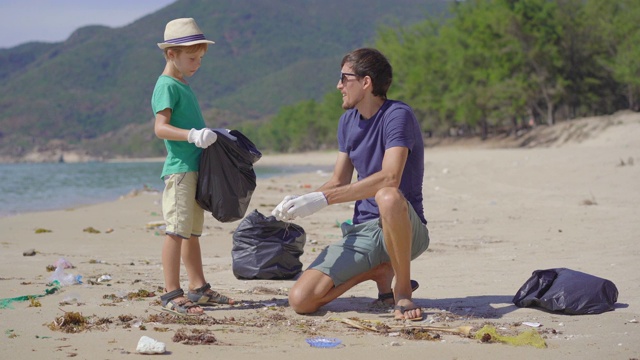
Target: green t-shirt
[{"x": 170, "y": 93}]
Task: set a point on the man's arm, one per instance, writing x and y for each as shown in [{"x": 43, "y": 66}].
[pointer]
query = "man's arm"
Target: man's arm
[
  {"x": 340, "y": 189},
  {"x": 342, "y": 173}
]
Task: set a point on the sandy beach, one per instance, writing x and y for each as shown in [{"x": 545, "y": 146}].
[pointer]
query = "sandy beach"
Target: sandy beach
[{"x": 569, "y": 199}]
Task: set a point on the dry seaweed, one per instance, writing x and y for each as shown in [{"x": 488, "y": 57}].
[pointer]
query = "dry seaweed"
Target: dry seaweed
[
  {"x": 33, "y": 302},
  {"x": 139, "y": 295},
  {"x": 419, "y": 334},
  {"x": 75, "y": 322},
  {"x": 194, "y": 337},
  {"x": 71, "y": 322},
  {"x": 166, "y": 318}
]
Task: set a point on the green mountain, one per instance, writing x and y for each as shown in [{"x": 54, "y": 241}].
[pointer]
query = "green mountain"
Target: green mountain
[{"x": 92, "y": 91}]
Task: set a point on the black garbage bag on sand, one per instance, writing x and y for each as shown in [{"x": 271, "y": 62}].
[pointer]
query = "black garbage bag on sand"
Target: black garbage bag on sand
[
  {"x": 226, "y": 179},
  {"x": 268, "y": 249},
  {"x": 567, "y": 291}
]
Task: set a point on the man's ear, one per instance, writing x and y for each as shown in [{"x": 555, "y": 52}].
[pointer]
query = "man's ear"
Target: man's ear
[{"x": 367, "y": 82}]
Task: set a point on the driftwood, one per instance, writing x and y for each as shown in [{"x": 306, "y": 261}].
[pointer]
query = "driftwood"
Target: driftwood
[{"x": 366, "y": 325}]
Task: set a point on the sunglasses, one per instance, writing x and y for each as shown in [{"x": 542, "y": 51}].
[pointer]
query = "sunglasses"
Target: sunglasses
[{"x": 343, "y": 77}]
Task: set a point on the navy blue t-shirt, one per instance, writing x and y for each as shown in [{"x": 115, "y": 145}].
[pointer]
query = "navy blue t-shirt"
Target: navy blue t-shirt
[{"x": 365, "y": 142}]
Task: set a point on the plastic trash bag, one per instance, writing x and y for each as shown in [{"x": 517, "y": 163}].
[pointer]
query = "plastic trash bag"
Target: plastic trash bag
[
  {"x": 226, "y": 179},
  {"x": 567, "y": 291},
  {"x": 265, "y": 248}
]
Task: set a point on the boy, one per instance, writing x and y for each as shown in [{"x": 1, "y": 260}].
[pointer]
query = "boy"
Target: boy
[{"x": 179, "y": 121}]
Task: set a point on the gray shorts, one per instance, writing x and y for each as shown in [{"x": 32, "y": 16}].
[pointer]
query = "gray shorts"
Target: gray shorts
[{"x": 362, "y": 248}]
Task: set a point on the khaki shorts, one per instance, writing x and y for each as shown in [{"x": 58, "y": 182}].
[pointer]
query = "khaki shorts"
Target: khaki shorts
[
  {"x": 362, "y": 248},
  {"x": 182, "y": 214}
]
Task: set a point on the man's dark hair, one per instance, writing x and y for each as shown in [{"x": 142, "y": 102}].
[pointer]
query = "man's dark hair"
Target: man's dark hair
[{"x": 370, "y": 62}]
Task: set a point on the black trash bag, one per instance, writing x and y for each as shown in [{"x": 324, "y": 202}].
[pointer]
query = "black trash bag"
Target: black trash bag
[
  {"x": 567, "y": 291},
  {"x": 268, "y": 249},
  {"x": 226, "y": 180}
]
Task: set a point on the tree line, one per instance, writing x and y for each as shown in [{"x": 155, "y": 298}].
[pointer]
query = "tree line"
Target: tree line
[{"x": 494, "y": 65}]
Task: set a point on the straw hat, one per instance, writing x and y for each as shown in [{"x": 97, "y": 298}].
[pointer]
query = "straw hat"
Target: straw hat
[{"x": 183, "y": 32}]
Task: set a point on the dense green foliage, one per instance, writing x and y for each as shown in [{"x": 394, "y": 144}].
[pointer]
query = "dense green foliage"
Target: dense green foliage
[
  {"x": 497, "y": 61},
  {"x": 308, "y": 125},
  {"x": 93, "y": 90},
  {"x": 497, "y": 64}
]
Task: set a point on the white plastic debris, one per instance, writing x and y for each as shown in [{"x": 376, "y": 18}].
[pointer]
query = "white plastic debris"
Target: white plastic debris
[
  {"x": 65, "y": 278},
  {"x": 532, "y": 324},
  {"x": 147, "y": 345},
  {"x": 104, "y": 278}
]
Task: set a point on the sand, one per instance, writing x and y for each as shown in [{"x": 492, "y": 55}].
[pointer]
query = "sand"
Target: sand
[{"x": 568, "y": 199}]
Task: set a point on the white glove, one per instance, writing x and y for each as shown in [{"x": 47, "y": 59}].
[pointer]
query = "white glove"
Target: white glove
[
  {"x": 304, "y": 205},
  {"x": 278, "y": 212},
  {"x": 202, "y": 138}
]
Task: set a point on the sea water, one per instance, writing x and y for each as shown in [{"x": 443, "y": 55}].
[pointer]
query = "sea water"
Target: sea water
[{"x": 29, "y": 187}]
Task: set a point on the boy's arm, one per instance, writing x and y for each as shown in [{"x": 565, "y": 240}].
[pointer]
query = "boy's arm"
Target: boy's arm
[
  {"x": 202, "y": 138},
  {"x": 164, "y": 130}
]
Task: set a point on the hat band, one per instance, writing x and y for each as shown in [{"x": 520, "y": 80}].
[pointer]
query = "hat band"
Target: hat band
[{"x": 184, "y": 39}]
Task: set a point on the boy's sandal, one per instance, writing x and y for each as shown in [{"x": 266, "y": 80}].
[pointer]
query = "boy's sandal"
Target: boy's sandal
[
  {"x": 205, "y": 296},
  {"x": 178, "y": 307},
  {"x": 386, "y": 296}
]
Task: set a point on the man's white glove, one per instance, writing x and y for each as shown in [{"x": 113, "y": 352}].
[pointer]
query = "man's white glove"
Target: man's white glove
[
  {"x": 202, "y": 138},
  {"x": 304, "y": 205},
  {"x": 278, "y": 212}
]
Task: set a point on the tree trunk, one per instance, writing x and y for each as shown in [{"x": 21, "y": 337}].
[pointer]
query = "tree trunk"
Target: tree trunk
[
  {"x": 485, "y": 128},
  {"x": 630, "y": 98},
  {"x": 550, "y": 116}
]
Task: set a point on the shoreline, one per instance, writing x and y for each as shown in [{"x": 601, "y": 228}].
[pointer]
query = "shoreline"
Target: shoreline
[
  {"x": 268, "y": 166},
  {"x": 540, "y": 135}
]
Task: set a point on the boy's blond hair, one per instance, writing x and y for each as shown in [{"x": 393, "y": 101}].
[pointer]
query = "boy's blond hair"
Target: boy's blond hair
[{"x": 188, "y": 49}]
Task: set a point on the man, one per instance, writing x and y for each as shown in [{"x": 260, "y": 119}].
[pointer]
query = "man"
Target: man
[{"x": 381, "y": 140}]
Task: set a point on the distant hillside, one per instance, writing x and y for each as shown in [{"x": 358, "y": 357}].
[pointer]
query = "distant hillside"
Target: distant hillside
[{"x": 83, "y": 92}]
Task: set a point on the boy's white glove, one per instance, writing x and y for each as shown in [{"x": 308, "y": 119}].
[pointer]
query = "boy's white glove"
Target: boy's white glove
[
  {"x": 304, "y": 205},
  {"x": 202, "y": 138},
  {"x": 278, "y": 212}
]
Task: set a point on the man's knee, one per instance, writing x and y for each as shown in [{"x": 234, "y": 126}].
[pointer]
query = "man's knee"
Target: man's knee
[
  {"x": 390, "y": 199},
  {"x": 300, "y": 302}
]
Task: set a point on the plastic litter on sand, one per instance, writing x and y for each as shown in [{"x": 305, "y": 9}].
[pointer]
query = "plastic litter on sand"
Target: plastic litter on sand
[
  {"x": 530, "y": 337},
  {"x": 324, "y": 342}
]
